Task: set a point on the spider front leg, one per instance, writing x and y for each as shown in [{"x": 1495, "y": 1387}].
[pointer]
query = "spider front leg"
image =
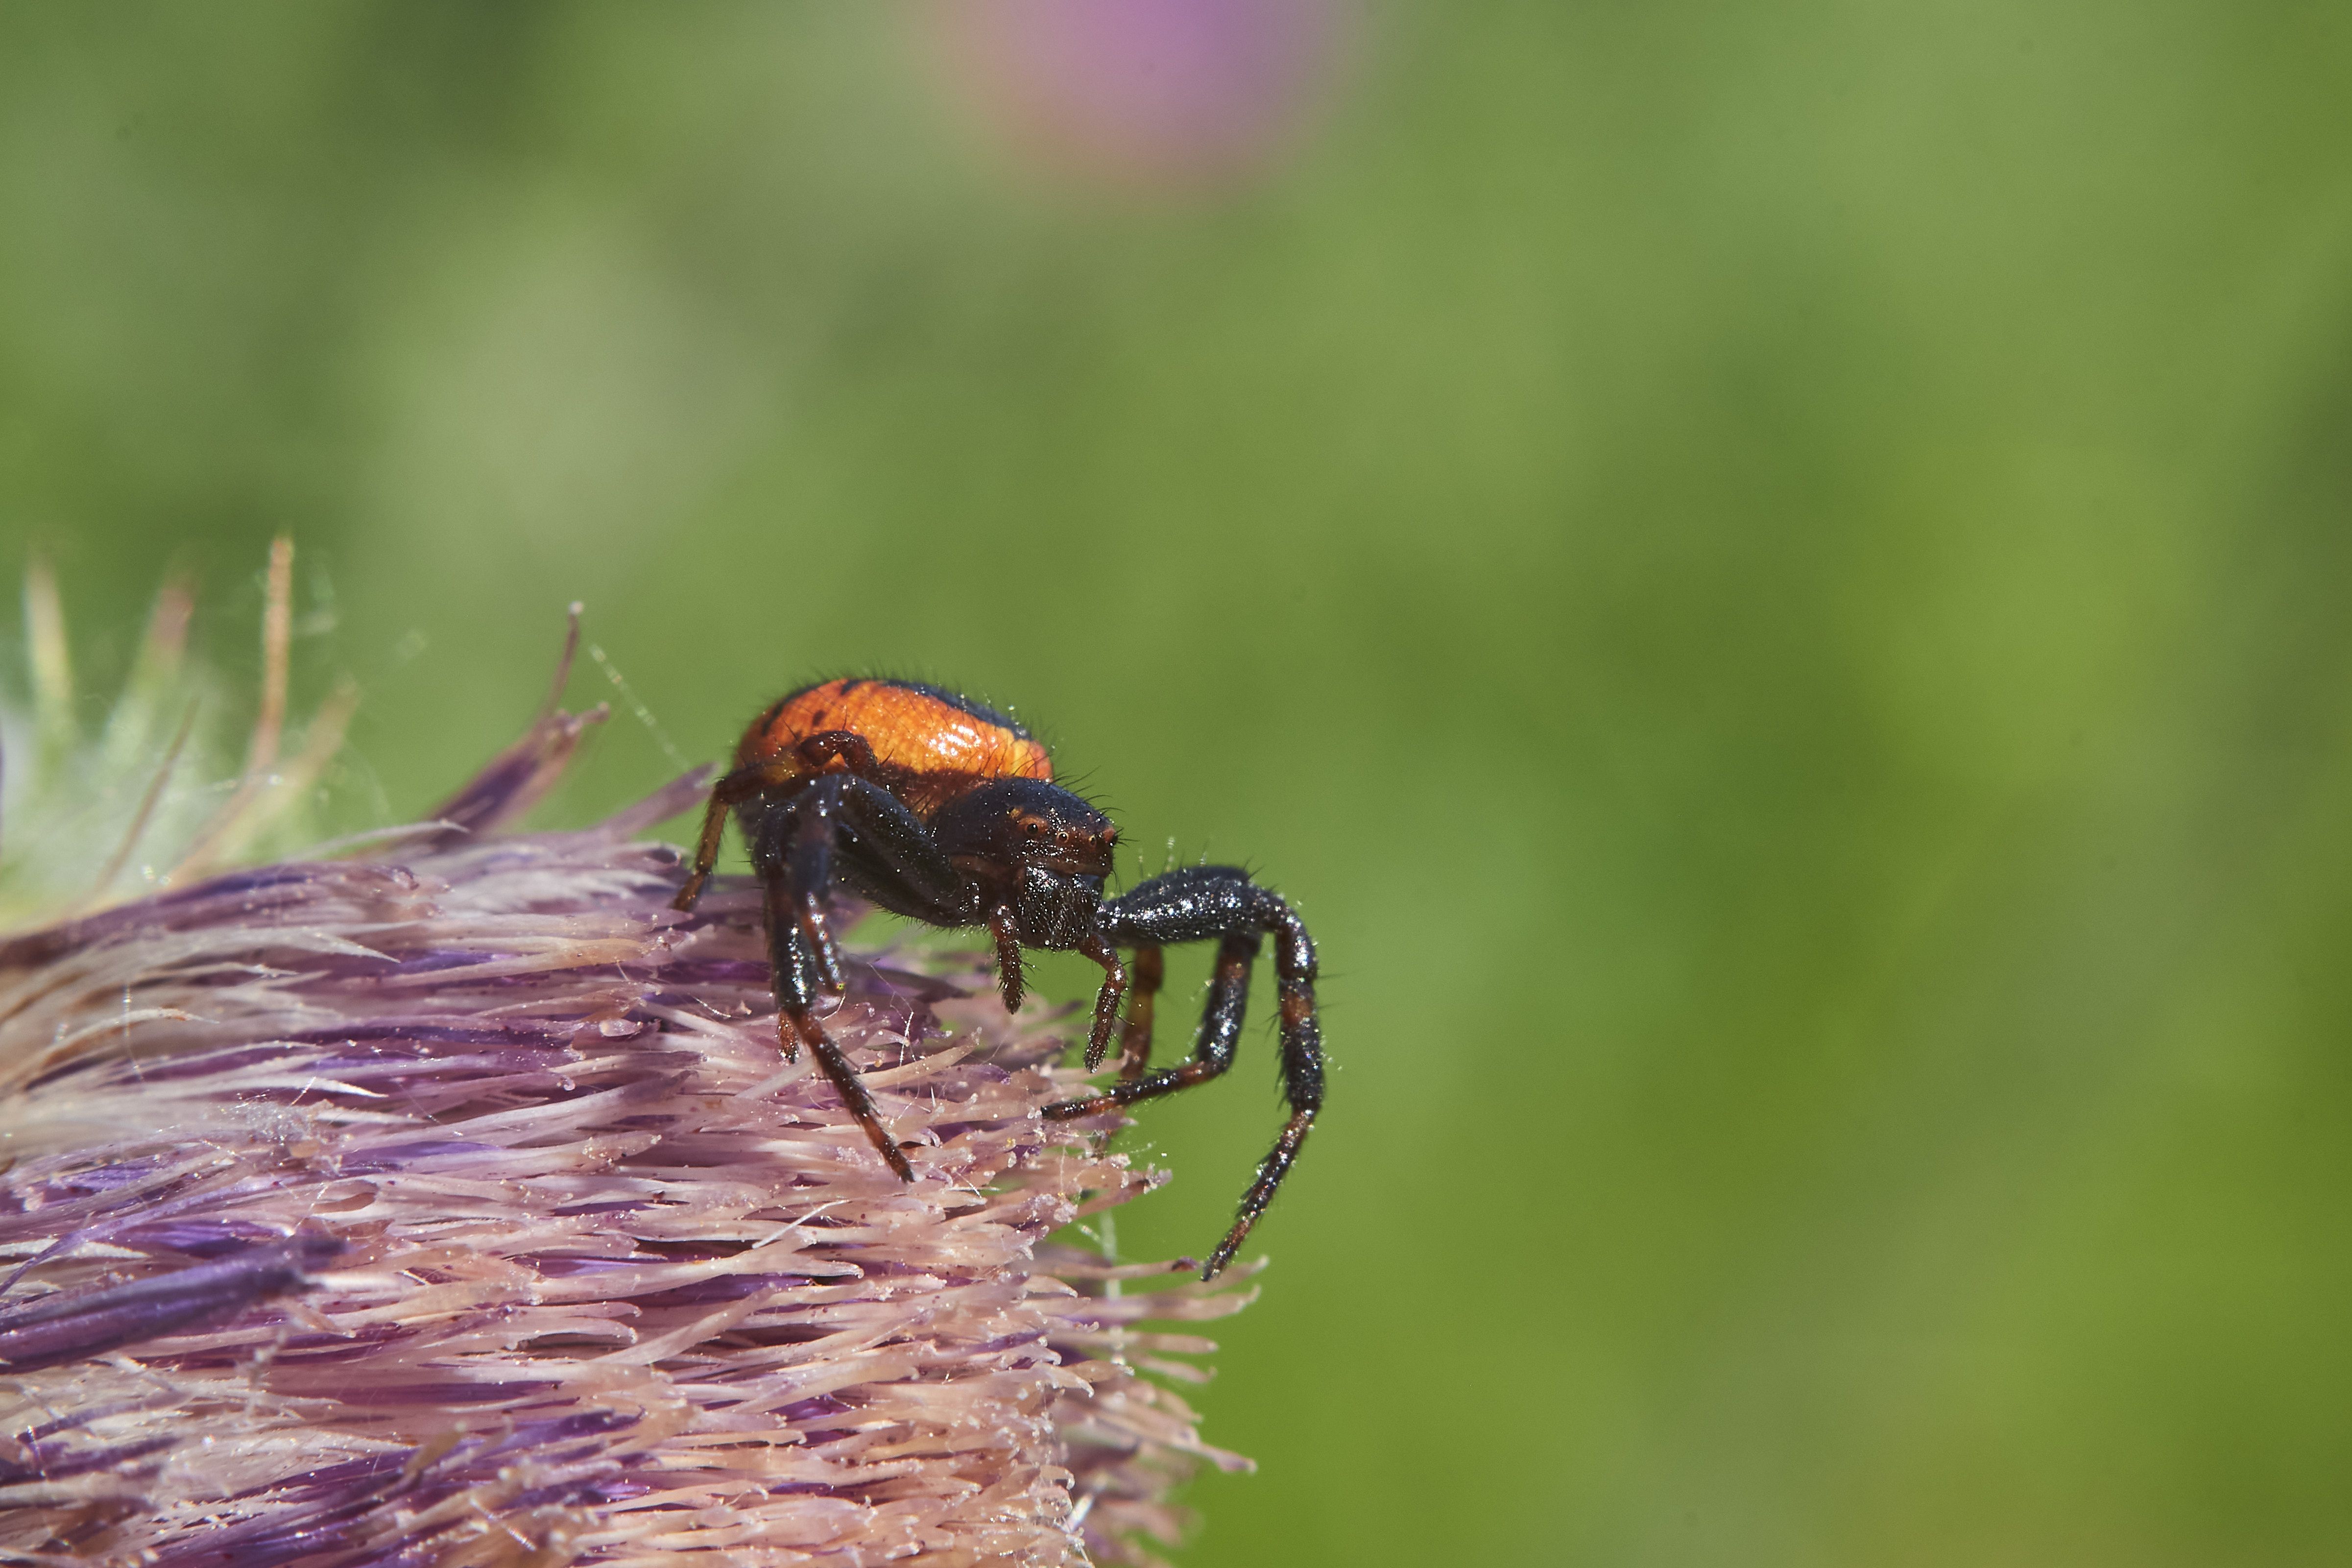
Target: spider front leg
[{"x": 1221, "y": 902}]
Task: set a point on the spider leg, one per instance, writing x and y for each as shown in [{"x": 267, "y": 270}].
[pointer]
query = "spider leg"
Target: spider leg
[
  {"x": 735, "y": 788},
  {"x": 839, "y": 819},
  {"x": 844, "y": 828},
  {"x": 852, "y": 1089},
  {"x": 1114, "y": 986},
  {"x": 705, "y": 853},
  {"x": 798, "y": 981},
  {"x": 807, "y": 876},
  {"x": 1193, "y": 905},
  {"x": 1134, "y": 1040},
  {"x": 889, "y": 856}
]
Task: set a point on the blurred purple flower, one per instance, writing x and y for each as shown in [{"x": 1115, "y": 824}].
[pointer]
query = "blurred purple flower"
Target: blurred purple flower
[
  {"x": 1157, "y": 94},
  {"x": 453, "y": 1207}
]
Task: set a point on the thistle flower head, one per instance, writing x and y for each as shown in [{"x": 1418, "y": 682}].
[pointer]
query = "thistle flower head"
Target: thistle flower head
[{"x": 449, "y": 1203}]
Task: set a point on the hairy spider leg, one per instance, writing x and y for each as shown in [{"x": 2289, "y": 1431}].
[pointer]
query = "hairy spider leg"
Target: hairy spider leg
[
  {"x": 839, "y": 822},
  {"x": 806, "y": 961},
  {"x": 1099, "y": 948},
  {"x": 807, "y": 866},
  {"x": 887, "y": 853},
  {"x": 1134, "y": 1040},
  {"x": 1193, "y": 905},
  {"x": 788, "y": 950},
  {"x": 731, "y": 791}
]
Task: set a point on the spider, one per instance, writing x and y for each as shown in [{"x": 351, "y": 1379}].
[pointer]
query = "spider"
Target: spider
[{"x": 936, "y": 807}]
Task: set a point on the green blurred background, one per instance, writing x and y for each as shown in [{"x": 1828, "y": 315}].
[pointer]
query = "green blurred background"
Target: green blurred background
[{"x": 1776, "y": 580}]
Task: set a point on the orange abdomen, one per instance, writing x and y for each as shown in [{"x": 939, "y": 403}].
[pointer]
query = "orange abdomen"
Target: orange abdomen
[{"x": 930, "y": 745}]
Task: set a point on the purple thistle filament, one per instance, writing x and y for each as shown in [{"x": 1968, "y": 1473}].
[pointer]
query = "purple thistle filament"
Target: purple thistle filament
[{"x": 454, "y": 1206}]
